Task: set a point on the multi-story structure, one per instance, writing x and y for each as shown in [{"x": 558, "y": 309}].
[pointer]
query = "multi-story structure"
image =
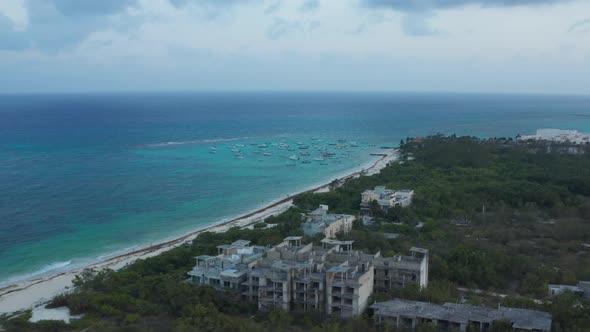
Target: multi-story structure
[
  {"x": 408, "y": 314},
  {"x": 320, "y": 221},
  {"x": 331, "y": 278},
  {"x": 386, "y": 198}
]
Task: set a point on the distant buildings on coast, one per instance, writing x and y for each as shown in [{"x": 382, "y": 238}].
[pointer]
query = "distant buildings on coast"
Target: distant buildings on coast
[{"x": 558, "y": 135}]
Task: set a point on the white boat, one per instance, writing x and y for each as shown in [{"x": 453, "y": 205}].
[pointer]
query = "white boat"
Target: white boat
[
  {"x": 294, "y": 157},
  {"x": 318, "y": 159},
  {"x": 268, "y": 154},
  {"x": 240, "y": 145},
  {"x": 212, "y": 152}
]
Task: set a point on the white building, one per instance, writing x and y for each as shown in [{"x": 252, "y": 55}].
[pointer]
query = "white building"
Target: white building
[
  {"x": 320, "y": 221},
  {"x": 386, "y": 198},
  {"x": 558, "y": 135}
]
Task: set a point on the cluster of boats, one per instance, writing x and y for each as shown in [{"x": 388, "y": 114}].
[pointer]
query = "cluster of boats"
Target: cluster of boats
[{"x": 315, "y": 151}]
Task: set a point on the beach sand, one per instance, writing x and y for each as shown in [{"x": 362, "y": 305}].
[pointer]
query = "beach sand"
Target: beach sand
[{"x": 28, "y": 294}]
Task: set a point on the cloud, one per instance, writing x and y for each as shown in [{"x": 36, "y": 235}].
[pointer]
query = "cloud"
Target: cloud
[
  {"x": 216, "y": 3},
  {"x": 55, "y": 24},
  {"x": 273, "y": 7},
  {"x": 281, "y": 27},
  {"x": 15, "y": 12},
  {"x": 309, "y": 5},
  {"x": 580, "y": 27},
  {"x": 426, "y": 5},
  {"x": 94, "y": 7},
  {"x": 418, "y": 25}
]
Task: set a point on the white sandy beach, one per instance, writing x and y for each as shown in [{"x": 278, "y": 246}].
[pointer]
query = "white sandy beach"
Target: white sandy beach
[{"x": 28, "y": 294}]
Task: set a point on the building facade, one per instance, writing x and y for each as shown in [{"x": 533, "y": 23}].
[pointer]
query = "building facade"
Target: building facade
[
  {"x": 386, "y": 198},
  {"x": 320, "y": 221},
  {"x": 331, "y": 278},
  {"x": 406, "y": 314}
]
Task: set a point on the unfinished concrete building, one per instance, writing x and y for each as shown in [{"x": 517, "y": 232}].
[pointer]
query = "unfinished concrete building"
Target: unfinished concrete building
[
  {"x": 320, "y": 221},
  {"x": 408, "y": 314},
  {"x": 331, "y": 278}
]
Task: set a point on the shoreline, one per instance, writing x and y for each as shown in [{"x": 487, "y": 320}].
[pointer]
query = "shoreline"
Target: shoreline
[{"x": 29, "y": 293}]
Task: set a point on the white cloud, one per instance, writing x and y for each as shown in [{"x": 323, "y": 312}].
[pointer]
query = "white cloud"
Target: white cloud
[{"x": 16, "y": 12}]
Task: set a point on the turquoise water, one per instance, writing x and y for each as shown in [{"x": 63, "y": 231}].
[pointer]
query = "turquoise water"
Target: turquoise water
[{"x": 86, "y": 176}]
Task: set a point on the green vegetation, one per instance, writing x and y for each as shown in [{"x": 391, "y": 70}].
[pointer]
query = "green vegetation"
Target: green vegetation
[{"x": 499, "y": 216}]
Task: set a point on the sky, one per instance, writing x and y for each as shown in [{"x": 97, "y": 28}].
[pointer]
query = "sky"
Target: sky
[{"x": 514, "y": 46}]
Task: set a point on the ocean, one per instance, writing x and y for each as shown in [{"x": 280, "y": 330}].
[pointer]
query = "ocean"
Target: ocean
[{"x": 86, "y": 176}]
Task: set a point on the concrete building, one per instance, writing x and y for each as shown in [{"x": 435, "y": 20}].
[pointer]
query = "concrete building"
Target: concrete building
[
  {"x": 386, "y": 198},
  {"x": 331, "y": 278},
  {"x": 582, "y": 288},
  {"x": 320, "y": 221},
  {"x": 408, "y": 314}
]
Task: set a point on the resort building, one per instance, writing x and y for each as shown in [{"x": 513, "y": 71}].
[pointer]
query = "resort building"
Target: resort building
[
  {"x": 582, "y": 288},
  {"x": 331, "y": 278},
  {"x": 320, "y": 221},
  {"x": 386, "y": 198},
  {"x": 406, "y": 314}
]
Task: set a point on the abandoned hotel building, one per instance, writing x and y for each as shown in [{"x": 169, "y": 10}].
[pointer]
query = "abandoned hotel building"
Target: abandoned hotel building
[
  {"x": 385, "y": 198},
  {"x": 332, "y": 278},
  {"x": 320, "y": 221}
]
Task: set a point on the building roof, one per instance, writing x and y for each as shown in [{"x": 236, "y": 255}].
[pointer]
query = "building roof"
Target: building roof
[
  {"x": 463, "y": 313},
  {"x": 293, "y": 238},
  {"x": 420, "y": 250},
  {"x": 243, "y": 243},
  {"x": 332, "y": 241},
  {"x": 204, "y": 257}
]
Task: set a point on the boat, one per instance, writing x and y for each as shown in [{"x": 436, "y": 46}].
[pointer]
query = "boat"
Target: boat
[
  {"x": 318, "y": 159},
  {"x": 213, "y": 148},
  {"x": 212, "y": 151},
  {"x": 268, "y": 154},
  {"x": 290, "y": 164},
  {"x": 323, "y": 164},
  {"x": 240, "y": 145},
  {"x": 294, "y": 157},
  {"x": 303, "y": 147},
  {"x": 304, "y": 153},
  {"x": 306, "y": 162},
  {"x": 262, "y": 146}
]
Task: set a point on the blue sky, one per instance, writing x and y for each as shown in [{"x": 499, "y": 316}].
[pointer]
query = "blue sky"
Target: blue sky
[{"x": 521, "y": 46}]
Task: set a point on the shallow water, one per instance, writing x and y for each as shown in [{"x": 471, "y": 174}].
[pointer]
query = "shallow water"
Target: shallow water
[{"x": 84, "y": 176}]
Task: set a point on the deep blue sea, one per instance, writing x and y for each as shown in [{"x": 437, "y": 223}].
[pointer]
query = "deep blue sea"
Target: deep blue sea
[{"x": 88, "y": 175}]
